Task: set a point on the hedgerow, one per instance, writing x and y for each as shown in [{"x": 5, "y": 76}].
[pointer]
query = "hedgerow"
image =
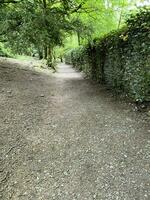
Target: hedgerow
[{"x": 121, "y": 59}]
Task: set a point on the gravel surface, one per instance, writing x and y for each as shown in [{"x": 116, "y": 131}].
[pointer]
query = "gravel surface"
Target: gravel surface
[{"x": 65, "y": 138}]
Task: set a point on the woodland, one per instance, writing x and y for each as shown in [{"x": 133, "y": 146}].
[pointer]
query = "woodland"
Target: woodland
[
  {"x": 52, "y": 29},
  {"x": 74, "y": 99}
]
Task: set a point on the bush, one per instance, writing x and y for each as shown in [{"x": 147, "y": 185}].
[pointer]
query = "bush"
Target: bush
[
  {"x": 4, "y": 52},
  {"x": 120, "y": 59}
]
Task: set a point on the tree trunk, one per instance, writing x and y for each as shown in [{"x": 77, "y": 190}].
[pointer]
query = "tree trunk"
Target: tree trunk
[
  {"x": 49, "y": 57},
  {"x": 44, "y": 3},
  {"x": 40, "y": 54},
  {"x": 120, "y": 18},
  {"x": 79, "y": 39},
  {"x": 45, "y": 52}
]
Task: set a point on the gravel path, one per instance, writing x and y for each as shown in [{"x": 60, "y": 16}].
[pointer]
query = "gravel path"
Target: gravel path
[{"x": 63, "y": 138}]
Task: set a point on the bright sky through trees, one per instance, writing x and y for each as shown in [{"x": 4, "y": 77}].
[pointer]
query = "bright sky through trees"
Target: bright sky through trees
[{"x": 41, "y": 25}]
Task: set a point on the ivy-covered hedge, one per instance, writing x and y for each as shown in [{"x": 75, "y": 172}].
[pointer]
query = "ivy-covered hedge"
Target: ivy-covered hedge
[{"x": 121, "y": 59}]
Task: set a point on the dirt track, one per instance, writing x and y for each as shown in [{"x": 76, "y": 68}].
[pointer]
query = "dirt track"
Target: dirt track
[{"x": 63, "y": 138}]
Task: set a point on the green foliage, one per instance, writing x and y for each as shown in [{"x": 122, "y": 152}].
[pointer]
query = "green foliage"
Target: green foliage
[
  {"x": 98, "y": 18},
  {"x": 4, "y": 52},
  {"x": 121, "y": 58},
  {"x": 27, "y": 25}
]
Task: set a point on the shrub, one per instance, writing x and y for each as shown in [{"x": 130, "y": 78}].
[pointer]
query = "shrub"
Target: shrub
[
  {"x": 4, "y": 52},
  {"x": 120, "y": 59}
]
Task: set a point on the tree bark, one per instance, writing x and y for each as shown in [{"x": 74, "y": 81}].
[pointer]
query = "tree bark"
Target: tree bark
[
  {"x": 40, "y": 54},
  {"x": 49, "y": 57},
  {"x": 44, "y": 3},
  {"x": 45, "y": 52},
  {"x": 79, "y": 39},
  {"x": 120, "y": 19}
]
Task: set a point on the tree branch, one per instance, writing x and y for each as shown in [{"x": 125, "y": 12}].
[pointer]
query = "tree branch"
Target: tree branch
[{"x": 7, "y": 2}]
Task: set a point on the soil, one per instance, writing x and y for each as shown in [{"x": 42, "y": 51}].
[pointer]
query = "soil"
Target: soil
[{"x": 65, "y": 138}]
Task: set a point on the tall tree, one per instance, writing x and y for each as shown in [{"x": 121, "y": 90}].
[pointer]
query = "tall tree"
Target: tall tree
[{"x": 36, "y": 23}]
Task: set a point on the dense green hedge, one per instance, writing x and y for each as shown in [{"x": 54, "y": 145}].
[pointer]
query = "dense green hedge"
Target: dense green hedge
[{"x": 121, "y": 59}]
